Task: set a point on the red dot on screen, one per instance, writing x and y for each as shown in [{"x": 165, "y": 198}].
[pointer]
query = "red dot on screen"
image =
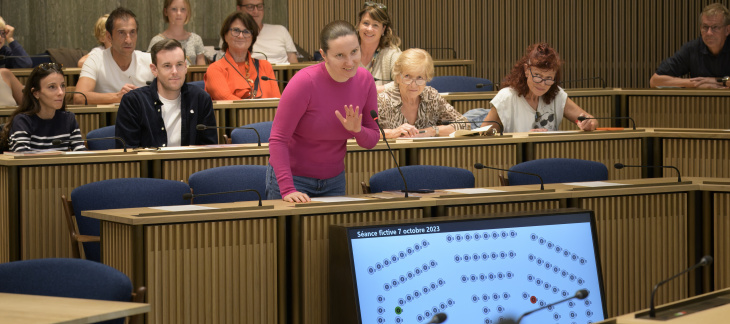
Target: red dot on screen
[{"x": 533, "y": 299}]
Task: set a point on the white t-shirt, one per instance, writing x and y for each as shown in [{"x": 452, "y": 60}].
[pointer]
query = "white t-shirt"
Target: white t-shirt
[
  {"x": 171, "y": 116},
  {"x": 518, "y": 116},
  {"x": 101, "y": 67},
  {"x": 275, "y": 42},
  {"x": 6, "y": 94}
]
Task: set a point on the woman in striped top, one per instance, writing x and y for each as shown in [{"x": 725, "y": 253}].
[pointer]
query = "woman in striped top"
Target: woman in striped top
[{"x": 42, "y": 117}]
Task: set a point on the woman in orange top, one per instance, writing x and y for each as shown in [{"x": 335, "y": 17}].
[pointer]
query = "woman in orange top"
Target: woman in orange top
[{"x": 237, "y": 75}]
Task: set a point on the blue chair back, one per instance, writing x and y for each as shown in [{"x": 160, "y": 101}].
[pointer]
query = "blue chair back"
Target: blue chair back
[
  {"x": 558, "y": 170},
  {"x": 107, "y": 131},
  {"x": 121, "y": 193},
  {"x": 453, "y": 83},
  {"x": 199, "y": 84},
  {"x": 229, "y": 178},
  {"x": 242, "y": 136},
  {"x": 422, "y": 177},
  {"x": 72, "y": 278}
]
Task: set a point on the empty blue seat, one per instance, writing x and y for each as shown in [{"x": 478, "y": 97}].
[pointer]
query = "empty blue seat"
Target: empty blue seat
[
  {"x": 422, "y": 177},
  {"x": 452, "y": 83},
  {"x": 106, "y": 144},
  {"x": 242, "y": 136},
  {"x": 228, "y": 178},
  {"x": 558, "y": 170}
]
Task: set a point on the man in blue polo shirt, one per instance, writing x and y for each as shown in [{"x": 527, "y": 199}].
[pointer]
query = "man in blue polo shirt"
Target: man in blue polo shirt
[{"x": 706, "y": 59}]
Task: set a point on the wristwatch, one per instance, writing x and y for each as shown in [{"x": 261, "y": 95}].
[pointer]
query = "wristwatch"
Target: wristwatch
[
  {"x": 436, "y": 129},
  {"x": 724, "y": 80}
]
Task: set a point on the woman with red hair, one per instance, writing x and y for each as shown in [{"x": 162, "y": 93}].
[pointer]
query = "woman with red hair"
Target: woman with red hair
[{"x": 531, "y": 99}]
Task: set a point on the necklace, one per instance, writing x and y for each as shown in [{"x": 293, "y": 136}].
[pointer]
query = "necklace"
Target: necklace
[{"x": 248, "y": 72}]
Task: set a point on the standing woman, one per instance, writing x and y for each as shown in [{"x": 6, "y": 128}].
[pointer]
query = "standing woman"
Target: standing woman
[
  {"x": 379, "y": 45},
  {"x": 42, "y": 117},
  {"x": 321, "y": 108},
  {"x": 531, "y": 99},
  {"x": 237, "y": 75},
  {"x": 177, "y": 14}
]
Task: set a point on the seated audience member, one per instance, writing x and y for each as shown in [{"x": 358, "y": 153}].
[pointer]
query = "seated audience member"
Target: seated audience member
[
  {"x": 531, "y": 99},
  {"x": 100, "y": 35},
  {"x": 408, "y": 108},
  {"x": 273, "y": 41},
  {"x": 706, "y": 59},
  {"x": 109, "y": 74},
  {"x": 166, "y": 112},
  {"x": 42, "y": 117},
  {"x": 177, "y": 14},
  {"x": 10, "y": 47},
  {"x": 11, "y": 90},
  {"x": 237, "y": 75},
  {"x": 378, "y": 43}
]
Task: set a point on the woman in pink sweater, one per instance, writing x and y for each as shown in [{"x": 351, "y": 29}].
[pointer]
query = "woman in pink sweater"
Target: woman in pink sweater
[{"x": 322, "y": 107}]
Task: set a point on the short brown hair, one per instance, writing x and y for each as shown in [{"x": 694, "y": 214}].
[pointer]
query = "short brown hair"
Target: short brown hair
[
  {"x": 165, "y": 45},
  {"x": 120, "y": 13},
  {"x": 168, "y": 3},
  {"x": 716, "y": 9},
  {"x": 246, "y": 20},
  {"x": 334, "y": 30}
]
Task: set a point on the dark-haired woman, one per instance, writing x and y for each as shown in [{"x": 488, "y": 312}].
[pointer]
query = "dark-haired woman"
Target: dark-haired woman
[
  {"x": 322, "y": 107},
  {"x": 379, "y": 44},
  {"x": 42, "y": 118},
  {"x": 531, "y": 99},
  {"x": 237, "y": 75}
]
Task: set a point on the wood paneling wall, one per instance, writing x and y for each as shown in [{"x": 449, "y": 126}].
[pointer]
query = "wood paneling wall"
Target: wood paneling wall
[{"x": 622, "y": 41}]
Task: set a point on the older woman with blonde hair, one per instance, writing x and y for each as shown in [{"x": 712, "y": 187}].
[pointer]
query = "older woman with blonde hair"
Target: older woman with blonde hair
[
  {"x": 379, "y": 46},
  {"x": 409, "y": 108}
]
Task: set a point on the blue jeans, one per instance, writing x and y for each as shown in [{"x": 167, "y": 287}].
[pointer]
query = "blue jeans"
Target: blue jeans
[
  {"x": 313, "y": 187},
  {"x": 476, "y": 116}
]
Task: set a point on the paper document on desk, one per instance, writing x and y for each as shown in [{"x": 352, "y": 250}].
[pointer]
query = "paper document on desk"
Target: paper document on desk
[
  {"x": 593, "y": 184},
  {"x": 472, "y": 132},
  {"x": 472, "y": 191},
  {"x": 336, "y": 199},
  {"x": 183, "y": 208}
]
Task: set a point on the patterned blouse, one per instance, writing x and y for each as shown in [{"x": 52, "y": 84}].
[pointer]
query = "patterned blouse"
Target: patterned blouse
[{"x": 432, "y": 109}]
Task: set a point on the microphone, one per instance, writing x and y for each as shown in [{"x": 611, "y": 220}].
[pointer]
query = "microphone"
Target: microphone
[
  {"x": 706, "y": 260},
  {"x": 265, "y": 78},
  {"x": 582, "y": 118},
  {"x": 59, "y": 142},
  {"x": 482, "y": 166},
  {"x": 375, "y": 118},
  {"x": 603, "y": 82},
  {"x": 438, "y": 318},
  {"x": 580, "y": 294},
  {"x": 266, "y": 57},
  {"x": 483, "y": 85},
  {"x": 86, "y": 100},
  {"x": 448, "y": 122},
  {"x": 201, "y": 127},
  {"x": 190, "y": 196},
  {"x": 620, "y": 166}
]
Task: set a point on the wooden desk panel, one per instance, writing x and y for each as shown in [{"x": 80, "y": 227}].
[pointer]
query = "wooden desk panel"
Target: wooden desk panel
[
  {"x": 361, "y": 165},
  {"x": 5, "y": 228},
  {"x": 180, "y": 170},
  {"x": 499, "y": 156},
  {"x": 721, "y": 246},
  {"x": 35, "y": 309},
  {"x": 627, "y": 151},
  {"x": 696, "y": 157},
  {"x": 704, "y": 111}
]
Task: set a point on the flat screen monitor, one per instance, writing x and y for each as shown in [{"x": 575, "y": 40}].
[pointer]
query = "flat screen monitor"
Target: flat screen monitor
[{"x": 480, "y": 269}]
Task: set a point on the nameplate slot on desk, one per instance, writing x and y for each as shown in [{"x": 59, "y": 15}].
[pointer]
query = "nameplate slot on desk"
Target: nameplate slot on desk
[
  {"x": 338, "y": 203},
  {"x": 631, "y": 186},
  {"x": 217, "y": 210},
  {"x": 724, "y": 183},
  {"x": 490, "y": 194}
]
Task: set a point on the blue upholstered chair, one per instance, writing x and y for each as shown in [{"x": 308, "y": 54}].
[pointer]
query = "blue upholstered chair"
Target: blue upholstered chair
[
  {"x": 453, "y": 83},
  {"x": 242, "y": 136},
  {"x": 229, "y": 178},
  {"x": 421, "y": 177},
  {"x": 107, "y": 131},
  {"x": 72, "y": 278},
  {"x": 558, "y": 170},
  {"x": 112, "y": 194}
]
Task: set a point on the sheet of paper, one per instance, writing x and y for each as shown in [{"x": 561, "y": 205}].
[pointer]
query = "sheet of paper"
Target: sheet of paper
[
  {"x": 183, "y": 208},
  {"x": 593, "y": 184},
  {"x": 179, "y": 148},
  {"x": 471, "y": 191},
  {"x": 336, "y": 199}
]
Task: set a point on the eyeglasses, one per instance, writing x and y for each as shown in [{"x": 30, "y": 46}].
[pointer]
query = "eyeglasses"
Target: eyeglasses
[
  {"x": 375, "y": 4},
  {"x": 51, "y": 66},
  {"x": 538, "y": 79},
  {"x": 250, "y": 7},
  {"x": 715, "y": 29},
  {"x": 407, "y": 80},
  {"x": 235, "y": 32}
]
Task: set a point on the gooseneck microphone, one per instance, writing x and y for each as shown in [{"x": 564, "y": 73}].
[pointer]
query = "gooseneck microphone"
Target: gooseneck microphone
[
  {"x": 375, "y": 118},
  {"x": 265, "y": 78},
  {"x": 580, "y": 294},
  {"x": 620, "y": 166},
  {"x": 484, "y": 85},
  {"x": 448, "y": 122},
  {"x": 86, "y": 100},
  {"x": 582, "y": 118},
  {"x": 202, "y": 127},
  {"x": 706, "y": 260},
  {"x": 124, "y": 144},
  {"x": 438, "y": 318},
  {"x": 189, "y": 196},
  {"x": 482, "y": 166}
]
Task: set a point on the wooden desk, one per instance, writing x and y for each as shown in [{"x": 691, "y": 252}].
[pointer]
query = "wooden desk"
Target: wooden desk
[
  {"x": 71, "y": 73},
  {"x": 33, "y": 309},
  {"x": 709, "y": 316},
  {"x": 644, "y": 233}
]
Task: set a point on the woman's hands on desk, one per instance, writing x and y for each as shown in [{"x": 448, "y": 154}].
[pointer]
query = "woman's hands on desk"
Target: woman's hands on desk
[
  {"x": 587, "y": 124},
  {"x": 297, "y": 197}
]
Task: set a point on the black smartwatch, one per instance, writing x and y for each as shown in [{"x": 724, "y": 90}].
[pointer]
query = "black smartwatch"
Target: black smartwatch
[{"x": 724, "y": 80}]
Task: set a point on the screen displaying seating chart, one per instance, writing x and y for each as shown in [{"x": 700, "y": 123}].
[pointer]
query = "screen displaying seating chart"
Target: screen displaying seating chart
[{"x": 478, "y": 270}]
